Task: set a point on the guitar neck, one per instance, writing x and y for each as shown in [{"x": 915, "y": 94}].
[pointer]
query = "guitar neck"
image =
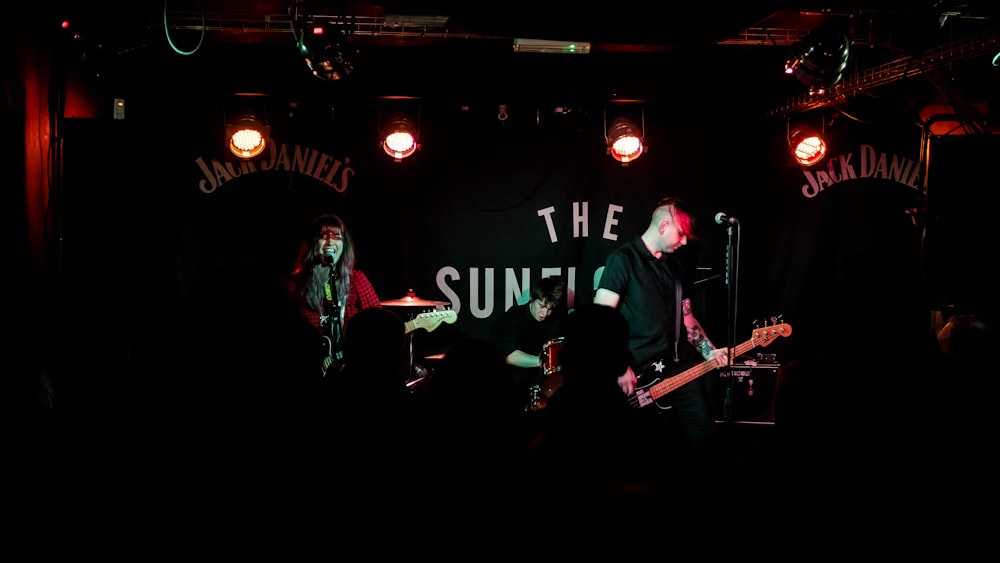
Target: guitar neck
[
  {"x": 689, "y": 375},
  {"x": 648, "y": 395}
]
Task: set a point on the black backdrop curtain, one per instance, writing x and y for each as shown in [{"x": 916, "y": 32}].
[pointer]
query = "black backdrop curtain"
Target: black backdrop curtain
[{"x": 485, "y": 207}]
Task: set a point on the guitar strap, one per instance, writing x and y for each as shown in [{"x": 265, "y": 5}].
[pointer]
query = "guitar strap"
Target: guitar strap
[
  {"x": 677, "y": 323},
  {"x": 333, "y": 320},
  {"x": 668, "y": 272}
]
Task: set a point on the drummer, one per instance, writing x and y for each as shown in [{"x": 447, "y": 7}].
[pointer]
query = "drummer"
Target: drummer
[{"x": 523, "y": 332}]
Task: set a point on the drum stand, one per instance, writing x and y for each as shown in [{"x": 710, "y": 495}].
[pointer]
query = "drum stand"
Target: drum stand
[
  {"x": 535, "y": 400},
  {"x": 415, "y": 372}
]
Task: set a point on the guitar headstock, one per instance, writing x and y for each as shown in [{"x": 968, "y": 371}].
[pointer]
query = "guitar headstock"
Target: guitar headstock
[
  {"x": 765, "y": 335},
  {"x": 433, "y": 319}
]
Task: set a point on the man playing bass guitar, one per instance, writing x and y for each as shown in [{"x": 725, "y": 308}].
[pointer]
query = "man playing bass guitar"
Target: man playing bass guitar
[{"x": 645, "y": 280}]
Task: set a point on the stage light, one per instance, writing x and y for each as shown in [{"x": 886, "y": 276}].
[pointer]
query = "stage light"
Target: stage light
[
  {"x": 325, "y": 49},
  {"x": 247, "y": 135},
  {"x": 807, "y": 146},
  {"x": 818, "y": 60},
  {"x": 624, "y": 138},
  {"x": 400, "y": 136}
]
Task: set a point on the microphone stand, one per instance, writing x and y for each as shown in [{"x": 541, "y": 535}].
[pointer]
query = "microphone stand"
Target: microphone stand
[{"x": 732, "y": 270}]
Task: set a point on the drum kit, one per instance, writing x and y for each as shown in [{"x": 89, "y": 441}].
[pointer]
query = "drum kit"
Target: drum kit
[{"x": 549, "y": 357}]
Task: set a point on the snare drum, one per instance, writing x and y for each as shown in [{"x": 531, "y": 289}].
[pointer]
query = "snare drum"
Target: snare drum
[{"x": 549, "y": 358}]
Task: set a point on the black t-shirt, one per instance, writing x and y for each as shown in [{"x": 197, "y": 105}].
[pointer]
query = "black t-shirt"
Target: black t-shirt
[{"x": 646, "y": 287}]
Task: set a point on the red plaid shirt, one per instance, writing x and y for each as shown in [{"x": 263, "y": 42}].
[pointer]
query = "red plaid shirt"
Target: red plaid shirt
[{"x": 361, "y": 296}]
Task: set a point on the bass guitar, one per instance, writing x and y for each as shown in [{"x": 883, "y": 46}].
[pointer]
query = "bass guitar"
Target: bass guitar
[
  {"x": 427, "y": 321},
  {"x": 648, "y": 394}
]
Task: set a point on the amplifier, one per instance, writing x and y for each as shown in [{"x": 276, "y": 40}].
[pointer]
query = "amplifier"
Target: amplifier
[{"x": 745, "y": 393}]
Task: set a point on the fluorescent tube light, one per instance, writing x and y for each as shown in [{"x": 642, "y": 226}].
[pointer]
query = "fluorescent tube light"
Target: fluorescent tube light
[{"x": 545, "y": 46}]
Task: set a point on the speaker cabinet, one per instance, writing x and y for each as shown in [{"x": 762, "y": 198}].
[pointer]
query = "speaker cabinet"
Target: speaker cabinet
[{"x": 745, "y": 393}]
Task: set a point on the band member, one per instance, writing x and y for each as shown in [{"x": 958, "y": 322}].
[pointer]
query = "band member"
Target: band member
[
  {"x": 645, "y": 280},
  {"x": 326, "y": 284},
  {"x": 523, "y": 331}
]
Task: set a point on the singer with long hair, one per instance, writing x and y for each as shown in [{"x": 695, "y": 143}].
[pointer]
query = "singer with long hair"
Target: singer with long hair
[{"x": 325, "y": 283}]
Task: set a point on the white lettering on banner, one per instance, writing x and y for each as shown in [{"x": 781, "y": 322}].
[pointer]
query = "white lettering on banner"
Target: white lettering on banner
[
  {"x": 221, "y": 173},
  {"x": 873, "y": 165},
  {"x": 547, "y": 213},
  {"x": 309, "y": 162},
  {"x": 610, "y": 221},
  {"x": 516, "y": 290},
  {"x": 579, "y": 217},
  {"x": 580, "y": 222}
]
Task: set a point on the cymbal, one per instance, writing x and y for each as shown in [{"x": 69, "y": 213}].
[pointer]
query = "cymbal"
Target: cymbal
[{"x": 412, "y": 300}]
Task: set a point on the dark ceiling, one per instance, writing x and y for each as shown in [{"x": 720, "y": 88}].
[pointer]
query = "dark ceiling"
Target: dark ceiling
[
  {"x": 638, "y": 25},
  {"x": 900, "y": 34}
]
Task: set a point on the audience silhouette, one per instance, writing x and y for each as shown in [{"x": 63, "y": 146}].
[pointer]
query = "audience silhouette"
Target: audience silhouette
[
  {"x": 469, "y": 432},
  {"x": 234, "y": 418},
  {"x": 596, "y": 460},
  {"x": 853, "y": 435},
  {"x": 370, "y": 426},
  {"x": 214, "y": 431},
  {"x": 372, "y": 380}
]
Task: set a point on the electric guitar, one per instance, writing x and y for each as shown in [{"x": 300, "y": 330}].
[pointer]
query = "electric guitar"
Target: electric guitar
[
  {"x": 427, "y": 321},
  {"x": 649, "y": 393}
]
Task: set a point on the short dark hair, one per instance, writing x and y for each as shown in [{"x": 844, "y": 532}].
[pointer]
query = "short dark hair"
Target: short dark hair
[{"x": 550, "y": 290}]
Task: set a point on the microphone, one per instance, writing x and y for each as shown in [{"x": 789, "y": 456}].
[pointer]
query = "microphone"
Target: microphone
[
  {"x": 328, "y": 258},
  {"x": 723, "y": 219}
]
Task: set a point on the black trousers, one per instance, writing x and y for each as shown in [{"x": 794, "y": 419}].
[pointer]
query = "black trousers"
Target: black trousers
[{"x": 687, "y": 416}]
